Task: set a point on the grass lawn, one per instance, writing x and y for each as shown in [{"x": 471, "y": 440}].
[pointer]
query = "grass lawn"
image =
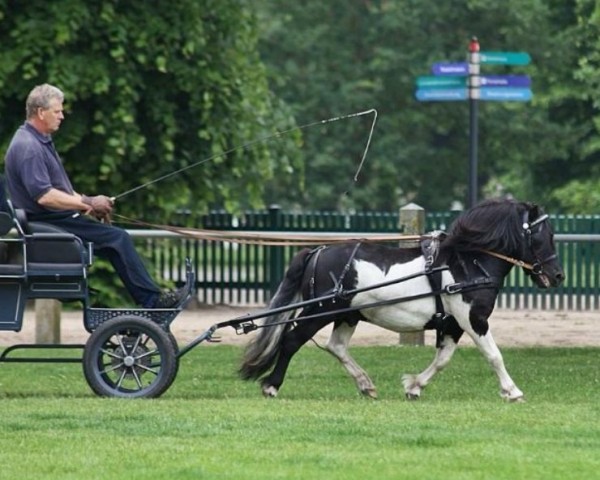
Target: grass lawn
[{"x": 212, "y": 425}]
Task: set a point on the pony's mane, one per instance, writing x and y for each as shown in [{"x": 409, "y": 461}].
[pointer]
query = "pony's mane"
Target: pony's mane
[{"x": 494, "y": 224}]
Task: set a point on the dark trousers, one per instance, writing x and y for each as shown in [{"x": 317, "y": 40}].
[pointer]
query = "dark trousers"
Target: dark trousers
[{"x": 114, "y": 244}]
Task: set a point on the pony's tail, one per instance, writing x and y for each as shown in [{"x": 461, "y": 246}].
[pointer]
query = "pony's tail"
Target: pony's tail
[{"x": 262, "y": 350}]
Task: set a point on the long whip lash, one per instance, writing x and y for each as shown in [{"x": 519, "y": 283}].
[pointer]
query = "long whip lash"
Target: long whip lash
[{"x": 263, "y": 139}]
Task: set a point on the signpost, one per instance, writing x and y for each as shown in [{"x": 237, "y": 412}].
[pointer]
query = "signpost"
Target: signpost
[
  {"x": 504, "y": 58},
  {"x": 505, "y": 94},
  {"x": 505, "y": 81},
  {"x": 463, "y": 81},
  {"x": 441, "y": 82},
  {"x": 445, "y": 68},
  {"x": 439, "y": 94}
]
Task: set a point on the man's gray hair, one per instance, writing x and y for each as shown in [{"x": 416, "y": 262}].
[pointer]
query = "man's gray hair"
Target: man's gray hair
[{"x": 40, "y": 97}]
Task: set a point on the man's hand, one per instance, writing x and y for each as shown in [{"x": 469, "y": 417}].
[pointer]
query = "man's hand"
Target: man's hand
[{"x": 100, "y": 206}]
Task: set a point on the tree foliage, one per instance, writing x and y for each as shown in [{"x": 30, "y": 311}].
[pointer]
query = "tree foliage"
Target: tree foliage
[
  {"x": 155, "y": 88},
  {"x": 151, "y": 88},
  {"x": 339, "y": 56},
  {"x": 580, "y": 189}
]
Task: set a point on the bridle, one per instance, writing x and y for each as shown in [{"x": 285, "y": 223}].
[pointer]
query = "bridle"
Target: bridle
[{"x": 537, "y": 267}]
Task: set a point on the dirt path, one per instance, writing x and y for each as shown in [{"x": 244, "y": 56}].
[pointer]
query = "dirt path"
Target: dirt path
[{"x": 510, "y": 328}]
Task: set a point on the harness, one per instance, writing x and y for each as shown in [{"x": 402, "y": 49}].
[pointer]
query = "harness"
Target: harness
[
  {"x": 338, "y": 289},
  {"x": 537, "y": 267},
  {"x": 440, "y": 321}
]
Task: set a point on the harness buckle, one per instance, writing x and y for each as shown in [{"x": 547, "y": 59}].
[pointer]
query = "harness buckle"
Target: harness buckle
[
  {"x": 537, "y": 268},
  {"x": 453, "y": 288}
]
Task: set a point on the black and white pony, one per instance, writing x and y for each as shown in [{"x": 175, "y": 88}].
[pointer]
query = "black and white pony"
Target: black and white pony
[{"x": 449, "y": 285}]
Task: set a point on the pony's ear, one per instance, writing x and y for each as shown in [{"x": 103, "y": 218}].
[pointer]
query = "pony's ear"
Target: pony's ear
[
  {"x": 529, "y": 214},
  {"x": 534, "y": 211},
  {"x": 533, "y": 215}
]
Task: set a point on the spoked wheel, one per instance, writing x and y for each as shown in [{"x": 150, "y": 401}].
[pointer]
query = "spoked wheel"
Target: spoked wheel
[{"x": 130, "y": 357}]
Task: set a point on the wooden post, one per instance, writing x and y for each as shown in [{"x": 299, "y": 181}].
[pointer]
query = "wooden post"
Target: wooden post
[
  {"x": 47, "y": 321},
  {"x": 275, "y": 256},
  {"x": 412, "y": 222}
]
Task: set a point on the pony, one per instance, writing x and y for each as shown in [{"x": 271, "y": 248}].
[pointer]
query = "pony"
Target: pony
[{"x": 448, "y": 282}]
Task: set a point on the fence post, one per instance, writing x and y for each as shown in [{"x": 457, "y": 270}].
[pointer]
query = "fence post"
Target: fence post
[
  {"x": 47, "y": 320},
  {"x": 412, "y": 222},
  {"x": 275, "y": 256}
]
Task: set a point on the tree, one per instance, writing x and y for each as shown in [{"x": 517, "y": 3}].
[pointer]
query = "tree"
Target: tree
[
  {"x": 339, "y": 56},
  {"x": 580, "y": 190},
  {"x": 151, "y": 88}
]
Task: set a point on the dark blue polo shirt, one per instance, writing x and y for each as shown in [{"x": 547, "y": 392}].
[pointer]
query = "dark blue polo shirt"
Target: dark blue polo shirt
[{"x": 32, "y": 168}]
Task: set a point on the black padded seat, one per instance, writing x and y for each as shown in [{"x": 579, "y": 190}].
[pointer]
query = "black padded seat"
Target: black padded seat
[
  {"x": 11, "y": 263},
  {"x": 47, "y": 243}
]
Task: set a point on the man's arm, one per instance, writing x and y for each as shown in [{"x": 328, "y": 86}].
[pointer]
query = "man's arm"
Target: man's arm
[{"x": 58, "y": 200}]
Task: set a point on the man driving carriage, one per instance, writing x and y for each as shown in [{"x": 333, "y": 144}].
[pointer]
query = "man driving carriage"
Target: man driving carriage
[{"x": 38, "y": 184}]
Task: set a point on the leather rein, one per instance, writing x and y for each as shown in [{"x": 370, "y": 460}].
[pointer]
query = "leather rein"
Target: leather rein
[{"x": 536, "y": 267}]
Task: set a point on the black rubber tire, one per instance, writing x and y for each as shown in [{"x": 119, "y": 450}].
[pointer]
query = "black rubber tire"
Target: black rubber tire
[{"x": 130, "y": 357}]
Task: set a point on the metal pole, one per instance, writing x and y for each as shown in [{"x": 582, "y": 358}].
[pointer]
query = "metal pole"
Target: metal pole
[
  {"x": 473, "y": 133},
  {"x": 474, "y": 84}
]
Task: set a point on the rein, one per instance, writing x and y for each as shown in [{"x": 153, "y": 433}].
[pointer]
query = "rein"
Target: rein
[
  {"x": 514, "y": 261},
  {"x": 262, "y": 238},
  {"x": 537, "y": 267}
]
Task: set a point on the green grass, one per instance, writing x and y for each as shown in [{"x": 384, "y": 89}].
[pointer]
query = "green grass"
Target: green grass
[{"x": 212, "y": 425}]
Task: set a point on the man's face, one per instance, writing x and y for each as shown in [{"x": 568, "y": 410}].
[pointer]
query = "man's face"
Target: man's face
[{"x": 51, "y": 117}]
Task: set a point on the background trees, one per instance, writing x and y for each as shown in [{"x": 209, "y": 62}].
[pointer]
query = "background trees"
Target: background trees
[
  {"x": 345, "y": 56},
  {"x": 153, "y": 88}
]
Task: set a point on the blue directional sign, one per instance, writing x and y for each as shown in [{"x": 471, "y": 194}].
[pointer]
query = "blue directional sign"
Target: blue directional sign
[
  {"x": 444, "y": 68},
  {"x": 505, "y": 81},
  {"x": 441, "y": 82},
  {"x": 505, "y": 94},
  {"x": 441, "y": 94},
  {"x": 504, "y": 58}
]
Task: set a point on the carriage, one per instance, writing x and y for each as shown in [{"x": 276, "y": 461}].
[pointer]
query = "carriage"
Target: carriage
[{"x": 447, "y": 283}]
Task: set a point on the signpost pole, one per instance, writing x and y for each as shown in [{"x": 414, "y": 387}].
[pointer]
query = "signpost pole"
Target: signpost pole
[
  {"x": 474, "y": 85},
  {"x": 462, "y": 81}
]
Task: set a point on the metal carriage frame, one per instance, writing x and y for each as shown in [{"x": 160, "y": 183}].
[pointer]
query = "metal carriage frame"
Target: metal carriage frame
[{"x": 130, "y": 352}]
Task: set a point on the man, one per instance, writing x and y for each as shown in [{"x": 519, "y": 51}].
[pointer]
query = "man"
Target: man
[{"x": 38, "y": 183}]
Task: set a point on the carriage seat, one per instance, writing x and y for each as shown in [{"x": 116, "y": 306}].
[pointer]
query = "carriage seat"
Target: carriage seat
[
  {"x": 51, "y": 244},
  {"x": 9, "y": 265},
  {"x": 44, "y": 243},
  {"x": 51, "y": 251}
]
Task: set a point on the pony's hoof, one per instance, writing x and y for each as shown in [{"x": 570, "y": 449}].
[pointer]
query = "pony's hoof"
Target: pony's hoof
[
  {"x": 269, "y": 391},
  {"x": 370, "y": 392},
  {"x": 515, "y": 397},
  {"x": 516, "y": 400},
  {"x": 412, "y": 389}
]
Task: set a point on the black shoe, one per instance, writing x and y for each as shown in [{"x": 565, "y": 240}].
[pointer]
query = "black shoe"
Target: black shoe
[{"x": 171, "y": 299}]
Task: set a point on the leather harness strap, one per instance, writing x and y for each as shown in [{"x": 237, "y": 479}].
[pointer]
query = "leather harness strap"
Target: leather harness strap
[{"x": 439, "y": 320}]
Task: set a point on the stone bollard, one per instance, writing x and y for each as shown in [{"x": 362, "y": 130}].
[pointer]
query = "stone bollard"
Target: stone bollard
[
  {"x": 412, "y": 222},
  {"x": 47, "y": 321}
]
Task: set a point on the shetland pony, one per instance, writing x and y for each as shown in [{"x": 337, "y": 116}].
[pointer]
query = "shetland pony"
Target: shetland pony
[{"x": 450, "y": 285}]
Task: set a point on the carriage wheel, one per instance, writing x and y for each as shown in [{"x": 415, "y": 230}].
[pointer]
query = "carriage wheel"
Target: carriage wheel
[{"x": 130, "y": 357}]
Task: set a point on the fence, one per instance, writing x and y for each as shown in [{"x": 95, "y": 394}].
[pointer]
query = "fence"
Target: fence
[{"x": 247, "y": 274}]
